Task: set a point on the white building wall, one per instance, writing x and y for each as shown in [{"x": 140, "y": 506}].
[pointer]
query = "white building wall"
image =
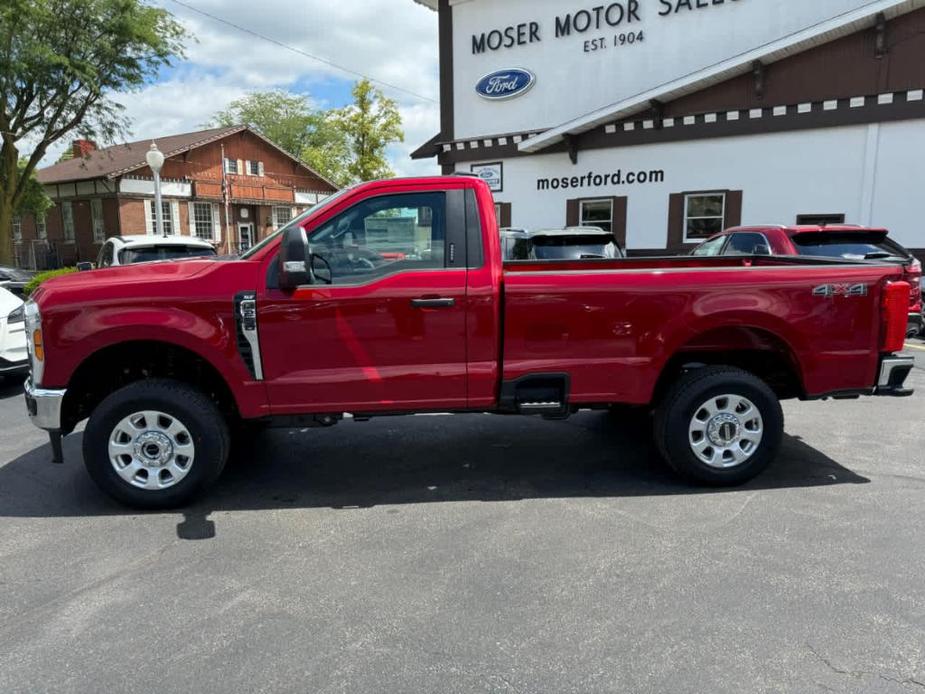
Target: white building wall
[
  {"x": 781, "y": 175},
  {"x": 571, "y": 81}
]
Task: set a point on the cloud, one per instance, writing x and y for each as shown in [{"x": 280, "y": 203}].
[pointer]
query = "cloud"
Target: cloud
[{"x": 394, "y": 41}]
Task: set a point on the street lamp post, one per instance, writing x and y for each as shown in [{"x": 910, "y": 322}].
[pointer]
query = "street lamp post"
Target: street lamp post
[{"x": 155, "y": 159}]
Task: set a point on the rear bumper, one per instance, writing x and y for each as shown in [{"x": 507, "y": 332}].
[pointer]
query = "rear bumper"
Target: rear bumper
[
  {"x": 44, "y": 406},
  {"x": 893, "y": 374},
  {"x": 917, "y": 320},
  {"x": 13, "y": 368}
]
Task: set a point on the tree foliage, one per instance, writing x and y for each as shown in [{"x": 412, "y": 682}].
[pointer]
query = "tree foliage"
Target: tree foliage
[
  {"x": 60, "y": 63},
  {"x": 290, "y": 121},
  {"x": 34, "y": 200},
  {"x": 371, "y": 124},
  {"x": 344, "y": 145}
]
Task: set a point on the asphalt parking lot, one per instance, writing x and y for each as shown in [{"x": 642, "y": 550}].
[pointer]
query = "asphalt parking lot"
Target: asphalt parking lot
[{"x": 477, "y": 553}]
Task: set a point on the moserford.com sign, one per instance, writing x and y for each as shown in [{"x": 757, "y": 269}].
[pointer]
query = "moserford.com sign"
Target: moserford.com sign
[{"x": 599, "y": 180}]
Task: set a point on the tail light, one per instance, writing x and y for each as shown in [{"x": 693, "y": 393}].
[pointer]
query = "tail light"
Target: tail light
[
  {"x": 895, "y": 316},
  {"x": 914, "y": 274}
]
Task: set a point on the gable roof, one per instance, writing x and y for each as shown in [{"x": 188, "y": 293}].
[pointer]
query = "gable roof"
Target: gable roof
[
  {"x": 112, "y": 162},
  {"x": 824, "y": 32}
]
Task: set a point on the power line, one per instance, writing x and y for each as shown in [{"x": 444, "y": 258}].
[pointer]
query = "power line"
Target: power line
[{"x": 301, "y": 52}]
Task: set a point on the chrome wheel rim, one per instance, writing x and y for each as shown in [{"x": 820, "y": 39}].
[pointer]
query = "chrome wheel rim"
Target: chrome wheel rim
[
  {"x": 726, "y": 431},
  {"x": 151, "y": 450}
]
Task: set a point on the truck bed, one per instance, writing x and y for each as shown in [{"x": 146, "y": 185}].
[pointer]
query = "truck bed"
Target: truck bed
[{"x": 612, "y": 325}]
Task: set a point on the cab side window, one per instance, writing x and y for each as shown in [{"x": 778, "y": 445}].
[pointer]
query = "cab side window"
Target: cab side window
[
  {"x": 747, "y": 244},
  {"x": 382, "y": 236}
]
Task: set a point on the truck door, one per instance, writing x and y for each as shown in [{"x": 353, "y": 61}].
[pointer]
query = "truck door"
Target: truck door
[{"x": 383, "y": 328}]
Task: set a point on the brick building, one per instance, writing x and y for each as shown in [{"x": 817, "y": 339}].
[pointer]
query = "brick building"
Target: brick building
[{"x": 109, "y": 192}]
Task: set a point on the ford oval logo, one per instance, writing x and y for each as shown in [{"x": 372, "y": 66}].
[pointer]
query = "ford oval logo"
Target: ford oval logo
[{"x": 505, "y": 84}]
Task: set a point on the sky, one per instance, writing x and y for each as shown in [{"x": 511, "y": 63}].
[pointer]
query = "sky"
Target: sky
[{"x": 394, "y": 41}]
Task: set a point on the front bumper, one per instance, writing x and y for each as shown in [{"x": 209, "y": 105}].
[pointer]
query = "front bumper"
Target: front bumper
[
  {"x": 893, "y": 374},
  {"x": 44, "y": 406}
]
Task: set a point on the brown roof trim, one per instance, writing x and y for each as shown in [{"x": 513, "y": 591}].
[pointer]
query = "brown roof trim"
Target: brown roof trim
[
  {"x": 833, "y": 113},
  {"x": 179, "y": 150}
]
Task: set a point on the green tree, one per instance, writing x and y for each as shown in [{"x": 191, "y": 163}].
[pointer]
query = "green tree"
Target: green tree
[
  {"x": 371, "y": 124},
  {"x": 290, "y": 122},
  {"x": 60, "y": 62},
  {"x": 34, "y": 199}
]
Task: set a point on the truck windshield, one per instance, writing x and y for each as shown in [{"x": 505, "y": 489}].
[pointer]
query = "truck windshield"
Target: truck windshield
[
  {"x": 851, "y": 246},
  {"x": 146, "y": 254},
  {"x": 298, "y": 221}
]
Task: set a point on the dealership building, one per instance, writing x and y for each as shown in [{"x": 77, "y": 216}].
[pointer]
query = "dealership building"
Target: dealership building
[{"x": 667, "y": 120}]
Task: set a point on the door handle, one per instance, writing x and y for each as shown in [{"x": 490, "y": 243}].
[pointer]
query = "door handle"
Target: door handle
[{"x": 436, "y": 302}]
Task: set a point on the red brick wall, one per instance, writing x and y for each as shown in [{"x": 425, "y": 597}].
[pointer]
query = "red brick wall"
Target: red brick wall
[{"x": 131, "y": 216}]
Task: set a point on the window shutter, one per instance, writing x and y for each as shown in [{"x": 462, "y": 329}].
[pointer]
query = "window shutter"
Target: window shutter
[
  {"x": 149, "y": 225},
  {"x": 247, "y": 166},
  {"x": 175, "y": 218},
  {"x": 191, "y": 210},
  {"x": 241, "y": 170},
  {"x": 505, "y": 216},
  {"x": 733, "y": 209},
  {"x": 216, "y": 224},
  {"x": 572, "y": 213},
  {"x": 675, "y": 221},
  {"x": 260, "y": 168},
  {"x": 620, "y": 205}
]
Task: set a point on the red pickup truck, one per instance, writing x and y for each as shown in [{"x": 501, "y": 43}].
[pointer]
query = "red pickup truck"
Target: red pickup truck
[
  {"x": 391, "y": 297},
  {"x": 829, "y": 241}
]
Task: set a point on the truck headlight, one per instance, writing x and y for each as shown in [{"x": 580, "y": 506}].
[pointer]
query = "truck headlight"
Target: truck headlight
[
  {"x": 35, "y": 342},
  {"x": 18, "y": 315}
]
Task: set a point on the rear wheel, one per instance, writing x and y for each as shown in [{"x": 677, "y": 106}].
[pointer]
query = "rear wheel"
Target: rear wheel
[
  {"x": 719, "y": 426},
  {"x": 155, "y": 444}
]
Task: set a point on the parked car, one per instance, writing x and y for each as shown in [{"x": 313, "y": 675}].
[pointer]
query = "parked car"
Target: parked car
[
  {"x": 165, "y": 359},
  {"x": 14, "y": 279},
  {"x": 13, "y": 358},
  {"x": 128, "y": 250},
  {"x": 570, "y": 243},
  {"x": 844, "y": 241}
]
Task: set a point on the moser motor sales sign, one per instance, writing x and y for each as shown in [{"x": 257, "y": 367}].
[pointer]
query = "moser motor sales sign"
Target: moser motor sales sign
[{"x": 625, "y": 17}]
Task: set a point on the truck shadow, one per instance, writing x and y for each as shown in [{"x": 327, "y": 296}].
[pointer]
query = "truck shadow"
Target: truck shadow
[{"x": 428, "y": 459}]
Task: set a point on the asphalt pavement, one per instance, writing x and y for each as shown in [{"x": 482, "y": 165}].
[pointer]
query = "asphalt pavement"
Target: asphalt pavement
[{"x": 477, "y": 554}]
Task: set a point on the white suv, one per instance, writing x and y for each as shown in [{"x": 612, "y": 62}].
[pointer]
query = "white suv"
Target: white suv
[
  {"x": 128, "y": 250},
  {"x": 13, "y": 358}
]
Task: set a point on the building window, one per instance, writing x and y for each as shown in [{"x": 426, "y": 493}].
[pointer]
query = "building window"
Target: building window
[
  {"x": 166, "y": 218},
  {"x": 281, "y": 216},
  {"x": 67, "y": 220},
  {"x": 41, "y": 228},
  {"x": 96, "y": 214},
  {"x": 820, "y": 219},
  {"x": 704, "y": 215},
  {"x": 596, "y": 213},
  {"x": 17, "y": 228},
  {"x": 203, "y": 222},
  {"x": 231, "y": 166},
  {"x": 254, "y": 168}
]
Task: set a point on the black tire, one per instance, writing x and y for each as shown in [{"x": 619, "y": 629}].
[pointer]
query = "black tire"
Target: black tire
[
  {"x": 205, "y": 424},
  {"x": 675, "y": 413}
]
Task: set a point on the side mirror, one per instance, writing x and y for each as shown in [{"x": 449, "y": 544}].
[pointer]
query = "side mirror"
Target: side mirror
[
  {"x": 762, "y": 249},
  {"x": 293, "y": 257},
  {"x": 83, "y": 266}
]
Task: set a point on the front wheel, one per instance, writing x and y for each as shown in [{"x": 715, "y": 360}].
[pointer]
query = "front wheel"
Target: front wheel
[
  {"x": 155, "y": 444},
  {"x": 719, "y": 426}
]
